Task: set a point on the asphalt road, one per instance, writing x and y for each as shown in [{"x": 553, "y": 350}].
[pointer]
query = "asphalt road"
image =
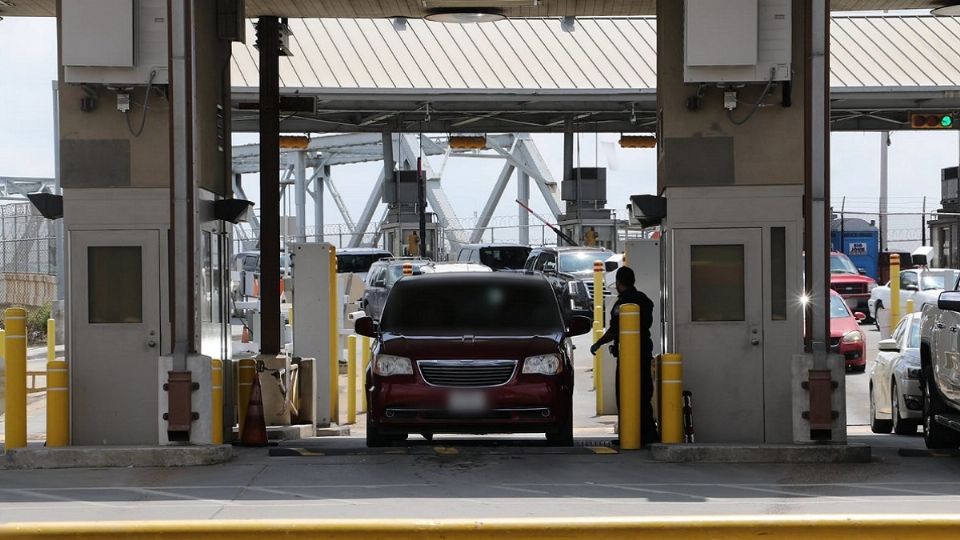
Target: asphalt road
[{"x": 451, "y": 478}]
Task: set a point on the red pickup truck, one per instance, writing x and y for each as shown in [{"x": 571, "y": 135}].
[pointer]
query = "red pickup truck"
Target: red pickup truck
[{"x": 847, "y": 280}]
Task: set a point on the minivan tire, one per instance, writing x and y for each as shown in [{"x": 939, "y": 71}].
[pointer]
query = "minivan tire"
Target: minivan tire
[{"x": 935, "y": 435}]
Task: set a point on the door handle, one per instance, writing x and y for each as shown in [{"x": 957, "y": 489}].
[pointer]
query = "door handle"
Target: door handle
[
  {"x": 755, "y": 341},
  {"x": 955, "y": 329},
  {"x": 940, "y": 326},
  {"x": 152, "y": 343}
]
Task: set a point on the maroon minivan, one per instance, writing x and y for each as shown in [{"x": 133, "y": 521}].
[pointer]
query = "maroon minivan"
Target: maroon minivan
[{"x": 471, "y": 353}]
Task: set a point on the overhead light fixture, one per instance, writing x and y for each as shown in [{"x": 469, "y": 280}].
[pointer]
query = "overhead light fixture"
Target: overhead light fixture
[
  {"x": 465, "y": 15},
  {"x": 399, "y": 23},
  {"x": 467, "y": 142},
  {"x": 949, "y": 9}
]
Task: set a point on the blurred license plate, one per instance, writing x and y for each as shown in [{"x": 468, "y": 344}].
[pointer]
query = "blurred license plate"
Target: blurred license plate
[{"x": 467, "y": 402}]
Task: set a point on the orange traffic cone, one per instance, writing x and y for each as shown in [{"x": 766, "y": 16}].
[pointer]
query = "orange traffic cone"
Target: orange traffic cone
[
  {"x": 256, "y": 287},
  {"x": 283, "y": 288},
  {"x": 245, "y": 335},
  {"x": 254, "y": 427}
]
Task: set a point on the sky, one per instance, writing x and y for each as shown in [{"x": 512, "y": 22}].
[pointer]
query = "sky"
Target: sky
[{"x": 28, "y": 64}]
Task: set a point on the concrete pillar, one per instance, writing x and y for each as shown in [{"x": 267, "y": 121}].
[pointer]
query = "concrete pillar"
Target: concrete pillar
[
  {"x": 722, "y": 170},
  {"x": 319, "y": 184},
  {"x": 300, "y": 189}
]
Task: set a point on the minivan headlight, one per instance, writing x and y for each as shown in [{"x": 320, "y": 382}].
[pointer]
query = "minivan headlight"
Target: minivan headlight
[
  {"x": 853, "y": 337},
  {"x": 544, "y": 364},
  {"x": 388, "y": 364}
]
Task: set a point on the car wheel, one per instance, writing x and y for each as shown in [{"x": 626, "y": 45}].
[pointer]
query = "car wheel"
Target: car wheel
[
  {"x": 935, "y": 435},
  {"x": 900, "y": 426},
  {"x": 876, "y": 319},
  {"x": 859, "y": 369},
  {"x": 877, "y": 425},
  {"x": 563, "y": 434}
]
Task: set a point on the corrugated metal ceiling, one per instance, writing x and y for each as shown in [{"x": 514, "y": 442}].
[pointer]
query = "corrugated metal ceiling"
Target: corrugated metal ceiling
[
  {"x": 414, "y": 8},
  {"x": 601, "y": 54}
]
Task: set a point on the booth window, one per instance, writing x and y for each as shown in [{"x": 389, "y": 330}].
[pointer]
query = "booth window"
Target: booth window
[
  {"x": 115, "y": 284},
  {"x": 717, "y": 283},
  {"x": 778, "y": 273}
]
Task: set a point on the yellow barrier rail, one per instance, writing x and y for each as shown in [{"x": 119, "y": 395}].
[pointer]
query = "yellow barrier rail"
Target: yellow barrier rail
[{"x": 880, "y": 527}]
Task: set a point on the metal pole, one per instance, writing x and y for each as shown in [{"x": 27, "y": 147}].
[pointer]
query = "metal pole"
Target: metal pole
[
  {"x": 884, "y": 143},
  {"x": 843, "y": 229},
  {"x": 61, "y": 290},
  {"x": 923, "y": 223},
  {"x": 523, "y": 194},
  {"x": 182, "y": 193},
  {"x": 268, "y": 37},
  {"x": 422, "y": 207},
  {"x": 300, "y": 192},
  {"x": 567, "y": 149}
]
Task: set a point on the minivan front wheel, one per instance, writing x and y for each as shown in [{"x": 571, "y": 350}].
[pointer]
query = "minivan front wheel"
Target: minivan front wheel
[{"x": 562, "y": 435}]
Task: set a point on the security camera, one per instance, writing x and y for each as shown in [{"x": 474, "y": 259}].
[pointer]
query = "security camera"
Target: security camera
[{"x": 647, "y": 210}]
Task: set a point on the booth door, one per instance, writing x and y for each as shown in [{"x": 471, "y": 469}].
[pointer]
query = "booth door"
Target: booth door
[
  {"x": 114, "y": 336},
  {"x": 718, "y": 307}
]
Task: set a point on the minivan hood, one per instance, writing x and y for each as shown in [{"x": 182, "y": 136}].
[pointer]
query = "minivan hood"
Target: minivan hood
[{"x": 470, "y": 347}]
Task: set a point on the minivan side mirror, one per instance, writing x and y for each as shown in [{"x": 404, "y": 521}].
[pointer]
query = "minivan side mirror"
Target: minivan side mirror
[
  {"x": 862, "y": 271},
  {"x": 365, "y": 326},
  {"x": 949, "y": 300},
  {"x": 579, "y": 325}
]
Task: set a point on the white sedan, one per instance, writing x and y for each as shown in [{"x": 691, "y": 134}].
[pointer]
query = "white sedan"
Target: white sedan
[
  {"x": 896, "y": 400},
  {"x": 923, "y": 286}
]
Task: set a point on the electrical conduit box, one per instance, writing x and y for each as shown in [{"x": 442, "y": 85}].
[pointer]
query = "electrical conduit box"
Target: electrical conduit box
[
  {"x": 737, "y": 41},
  {"x": 114, "y": 42}
]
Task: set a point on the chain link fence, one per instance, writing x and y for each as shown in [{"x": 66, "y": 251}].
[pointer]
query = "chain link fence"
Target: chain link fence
[{"x": 28, "y": 256}]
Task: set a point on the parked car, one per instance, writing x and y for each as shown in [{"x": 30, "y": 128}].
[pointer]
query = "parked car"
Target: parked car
[
  {"x": 567, "y": 262},
  {"x": 496, "y": 256},
  {"x": 381, "y": 278},
  {"x": 923, "y": 286},
  {"x": 846, "y": 338},
  {"x": 940, "y": 371},
  {"x": 359, "y": 260},
  {"x": 895, "y": 399},
  {"x": 847, "y": 280},
  {"x": 470, "y": 353}
]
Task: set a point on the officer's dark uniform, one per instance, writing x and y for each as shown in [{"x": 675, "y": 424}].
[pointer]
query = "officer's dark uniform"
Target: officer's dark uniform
[{"x": 633, "y": 296}]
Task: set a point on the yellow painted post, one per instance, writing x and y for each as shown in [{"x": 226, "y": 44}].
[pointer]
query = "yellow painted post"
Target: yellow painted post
[
  {"x": 3, "y": 343},
  {"x": 909, "y": 306},
  {"x": 58, "y": 404},
  {"x": 352, "y": 379},
  {"x": 671, "y": 398},
  {"x": 15, "y": 359},
  {"x": 598, "y": 367},
  {"x": 216, "y": 401},
  {"x": 290, "y": 316},
  {"x": 630, "y": 377},
  {"x": 365, "y": 357},
  {"x": 407, "y": 269},
  {"x": 246, "y": 372},
  {"x": 334, "y": 345},
  {"x": 894, "y": 293},
  {"x": 51, "y": 340}
]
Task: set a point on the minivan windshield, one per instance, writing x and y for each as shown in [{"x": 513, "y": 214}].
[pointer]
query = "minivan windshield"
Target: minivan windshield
[
  {"x": 438, "y": 306},
  {"x": 504, "y": 257},
  {"x": 357, "y": 263},
  {"x": 576, "y": 262},
  {"x": 938, "y": 280}
]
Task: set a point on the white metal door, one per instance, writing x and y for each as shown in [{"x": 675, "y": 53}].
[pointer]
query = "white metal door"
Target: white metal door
[
  {"x": 719, "y": 315},
  {"x": 115, "y": 336}
]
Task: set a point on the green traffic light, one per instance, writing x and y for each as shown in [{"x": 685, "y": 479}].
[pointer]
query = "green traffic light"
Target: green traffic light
[{"x": 946, "y": 121}]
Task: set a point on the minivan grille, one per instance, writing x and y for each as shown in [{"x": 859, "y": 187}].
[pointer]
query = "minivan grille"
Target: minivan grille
[{"x": 467, "y": 373}]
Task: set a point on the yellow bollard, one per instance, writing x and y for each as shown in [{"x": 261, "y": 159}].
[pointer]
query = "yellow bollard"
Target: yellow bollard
[
  {"x": 51, "y": 340},
  {"x": 365, "y": 357},
  {"x": 671, "y": 399},
  {"x": 246, "y": 372},
  {"x": 598, "y": 291},
  {"x": 290, "y": 316},
  {"x": 15, "y": 359},
  {"x": 909, "y": 306},
  {"x": 352, "y": 379},
  {"x": 3, "y": 342},
  {"x": 407, "y": 269},
  {"x": 629, "y": 377},
  {"x": 58, "y": 404},
  {"x": 334, "y": 345},
  {"x": 894, "y": 293},
  {"x": 216, "y": 401},
  {"x": 598, "y": 367}
]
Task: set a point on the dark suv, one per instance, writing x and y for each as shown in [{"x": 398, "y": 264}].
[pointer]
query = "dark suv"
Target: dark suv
[
  {"x": 382, "y": 276},
  {"x": 570, "y": 271},
  {"x": 496, "y": 256},
  {"x": 471, "y": 353}
]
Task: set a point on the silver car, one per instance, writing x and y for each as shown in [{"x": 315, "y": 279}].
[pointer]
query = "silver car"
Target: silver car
[{"x": 896, "y": 401}]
